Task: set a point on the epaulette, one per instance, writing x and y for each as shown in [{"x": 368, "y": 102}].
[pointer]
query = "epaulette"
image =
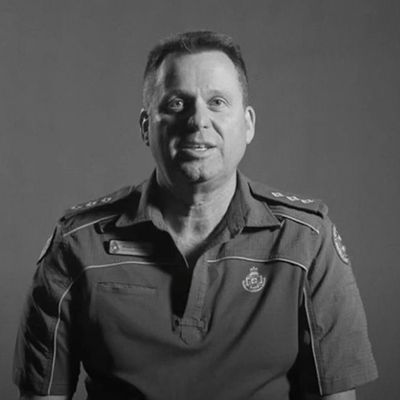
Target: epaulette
[
  {"x": 99, "y": 203},
  {"x": 277, "y": 197}
]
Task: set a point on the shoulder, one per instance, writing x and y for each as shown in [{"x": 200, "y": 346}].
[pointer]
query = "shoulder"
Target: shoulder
[
  {"x": 290, "y": 201},
  {"x": 85, "y": 214},
  {"x": 308, "y": 213},
  {"x": 101, "y": 202},
  {"x": 106, "y": 206},
  {"x": 302, "y": 209}
]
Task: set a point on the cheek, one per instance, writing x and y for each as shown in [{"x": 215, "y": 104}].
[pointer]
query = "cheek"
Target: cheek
[
  {"x": 157, "y": 123},
  {"x": 232, "y": 119},
  {"x": 167, "y": 126},
  {"x": 233, "y": 129},
  {"x": 162, "y": 137}
]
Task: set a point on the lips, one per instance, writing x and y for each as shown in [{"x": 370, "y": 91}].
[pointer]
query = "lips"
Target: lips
[
  {"x": 195, "y": 149},
  {"x": 197, "y": 146}
]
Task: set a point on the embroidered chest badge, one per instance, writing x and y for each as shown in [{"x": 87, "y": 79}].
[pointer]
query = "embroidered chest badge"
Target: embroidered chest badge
[{"x": 254, "y": 281}]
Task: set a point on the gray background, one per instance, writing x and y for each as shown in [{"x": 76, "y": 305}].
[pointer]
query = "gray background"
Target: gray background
[{"x": 325, "y": 85}]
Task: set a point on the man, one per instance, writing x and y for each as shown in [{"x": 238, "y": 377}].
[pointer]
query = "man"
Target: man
[{"x": 199, "y": 283}]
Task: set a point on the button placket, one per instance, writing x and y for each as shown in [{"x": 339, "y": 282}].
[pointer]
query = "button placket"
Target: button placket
[
  {"x": 190, "y": 331},
  {"x": 192, "y": 326}
]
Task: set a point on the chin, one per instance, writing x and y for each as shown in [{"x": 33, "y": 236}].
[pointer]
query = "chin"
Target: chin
[
  {"x": 197, "y": 174},
  {"x": 212, "y": 177}
]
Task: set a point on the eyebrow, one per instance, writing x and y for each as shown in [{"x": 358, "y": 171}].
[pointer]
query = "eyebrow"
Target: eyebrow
[
  {"x": 176, "y": 92},
  {"x": 220, "y": 92},
  {"x": 186, "y": 94}
]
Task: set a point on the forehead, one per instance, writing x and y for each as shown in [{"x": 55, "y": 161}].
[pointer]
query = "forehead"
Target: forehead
[{"x": 206, "y": 69}]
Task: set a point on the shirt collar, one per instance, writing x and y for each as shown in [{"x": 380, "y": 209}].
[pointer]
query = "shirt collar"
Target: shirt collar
[
  {"x": 145, "y": 208},
  {"x": 247, "y": 209}
]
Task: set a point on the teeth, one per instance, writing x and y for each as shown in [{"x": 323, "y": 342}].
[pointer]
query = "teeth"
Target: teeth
[{"x": 196, "y": 147}]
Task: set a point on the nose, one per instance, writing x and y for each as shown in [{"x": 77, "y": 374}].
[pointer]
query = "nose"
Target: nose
[{"x": 199, "y": 118}]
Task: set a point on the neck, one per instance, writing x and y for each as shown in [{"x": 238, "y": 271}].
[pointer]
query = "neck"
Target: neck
[{"x": 195, "y": 210}]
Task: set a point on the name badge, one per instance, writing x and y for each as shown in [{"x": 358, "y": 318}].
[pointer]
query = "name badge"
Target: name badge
[{"x": 127, "y": 248}]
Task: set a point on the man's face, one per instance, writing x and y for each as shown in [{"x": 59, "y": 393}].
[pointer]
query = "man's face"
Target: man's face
[{"x": 197, "y": 126}]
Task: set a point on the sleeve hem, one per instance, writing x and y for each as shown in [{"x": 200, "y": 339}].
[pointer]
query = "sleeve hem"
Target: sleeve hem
[
  {"x": 36, "y": 386},
  {"x": 341, "y": 384}
]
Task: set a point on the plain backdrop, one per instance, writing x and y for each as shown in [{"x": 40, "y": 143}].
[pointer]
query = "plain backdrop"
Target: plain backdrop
[{"x": 324, "y": 80}]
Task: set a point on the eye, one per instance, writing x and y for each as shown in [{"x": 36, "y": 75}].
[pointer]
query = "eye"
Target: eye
[
  {"x": 217, "y": 102},
  {"x": 176, "y": 104}
]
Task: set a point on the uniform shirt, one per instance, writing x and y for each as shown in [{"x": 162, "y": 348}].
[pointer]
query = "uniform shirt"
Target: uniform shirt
[{"x": 270, "y": 310}]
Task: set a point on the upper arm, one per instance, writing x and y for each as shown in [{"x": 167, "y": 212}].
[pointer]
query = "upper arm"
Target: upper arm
[
  {"x": 46, "y": 358},
  {"x": 335, "y": 353}
]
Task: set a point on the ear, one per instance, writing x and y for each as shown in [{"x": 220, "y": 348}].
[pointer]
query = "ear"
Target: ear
[
  {"x": 144, "y": 126},
  {"x": 250, "y": 118}
]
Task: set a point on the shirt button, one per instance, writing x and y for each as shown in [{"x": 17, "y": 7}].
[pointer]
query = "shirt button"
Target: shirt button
[{"x": 175, "y": 322}]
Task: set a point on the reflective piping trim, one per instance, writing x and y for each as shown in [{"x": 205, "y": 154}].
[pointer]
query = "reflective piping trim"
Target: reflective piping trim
[
  {"x": 297, "y": 220},
  {"x": 53, "y": 362},
  {"x": 88, "y": 224},
  {"x": 312, "y": 342},
  {"x": 258, "y": 260}
]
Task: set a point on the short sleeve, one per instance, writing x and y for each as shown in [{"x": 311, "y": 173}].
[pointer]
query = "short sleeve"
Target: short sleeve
[
  {"x": 46, "y": 359},
  {"x": 335, "y": 351}
]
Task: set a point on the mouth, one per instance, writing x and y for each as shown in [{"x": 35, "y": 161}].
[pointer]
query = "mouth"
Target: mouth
[
  {"x": 198, "y": 146},
  {"x": 195, "y": 148}
]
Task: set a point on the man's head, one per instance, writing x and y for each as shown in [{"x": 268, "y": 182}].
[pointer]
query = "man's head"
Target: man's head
[
  {"x": 191, "y": 43},
  {"x": 196, "y": 121}
]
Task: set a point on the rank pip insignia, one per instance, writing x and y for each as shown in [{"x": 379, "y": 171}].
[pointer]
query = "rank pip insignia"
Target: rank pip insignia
[
  {"x": 92, "y": 203},
  {"x": 254, "y": 281},
  {"x": 339, "y": 246}
]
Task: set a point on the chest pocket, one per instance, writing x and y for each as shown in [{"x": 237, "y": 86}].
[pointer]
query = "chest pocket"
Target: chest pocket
[{"x": 125, "y": 288}]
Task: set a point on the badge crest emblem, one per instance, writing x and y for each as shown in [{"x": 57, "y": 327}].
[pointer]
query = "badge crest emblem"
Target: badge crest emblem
[
  {"x": 254, "y": 281},
  {"x": 339, "y": 246}
]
